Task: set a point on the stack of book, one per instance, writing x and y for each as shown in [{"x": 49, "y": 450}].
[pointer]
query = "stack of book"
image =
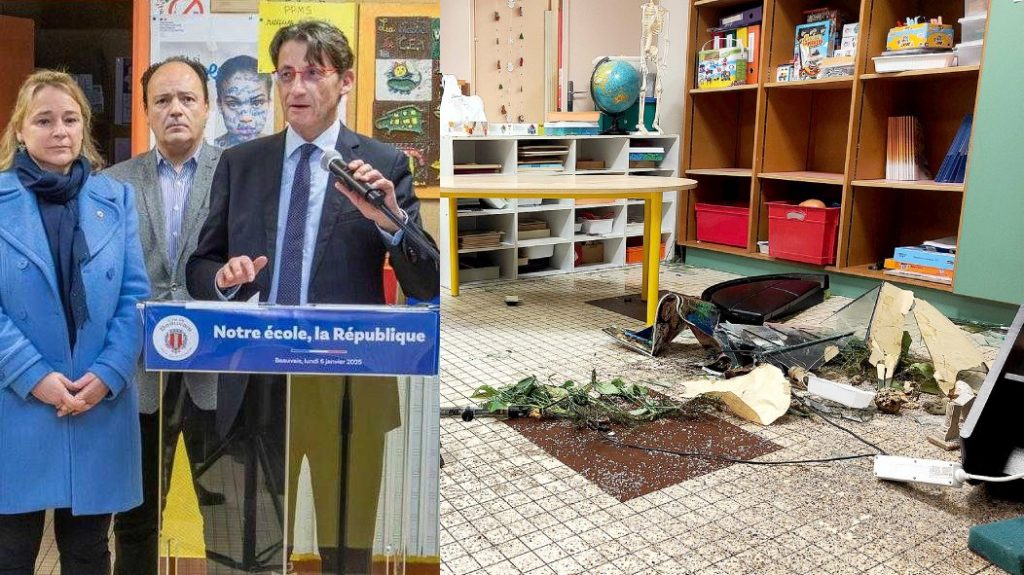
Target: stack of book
[
  {"x": 585, "y": 123},
  {"x": 954, "y": 167},
  {"x": 741, "y": 28},
  {"x": 646, "y": 156},
  {"x": 815, "y": 42},
  {"x": 478, "y": 239},
  {"x": 472, "y": 168},
  {"x": 932, "y": 261},
  {"x": 542, "y": 158},
  {"x": 904, "y": 158},
  {"x": 530, "y": 229}
]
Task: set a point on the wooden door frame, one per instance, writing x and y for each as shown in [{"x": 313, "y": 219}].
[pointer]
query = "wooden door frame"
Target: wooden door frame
[{"x": 140, "y": 61}]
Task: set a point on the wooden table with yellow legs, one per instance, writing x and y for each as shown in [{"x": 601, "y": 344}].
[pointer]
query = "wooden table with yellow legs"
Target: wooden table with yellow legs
[{"x": 650, "y": 189}]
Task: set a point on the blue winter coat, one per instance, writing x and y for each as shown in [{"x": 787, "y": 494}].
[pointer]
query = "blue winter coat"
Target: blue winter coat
[{"x": 89, "y": 462}]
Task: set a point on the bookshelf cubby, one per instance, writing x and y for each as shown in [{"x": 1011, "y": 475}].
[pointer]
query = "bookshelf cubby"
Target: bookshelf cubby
[
  {"x": 806, "y": 131},
  {"x": 722, "y": 127},
  {"x": 559, "y": 214},
  {"x": 825, "y": 139}
]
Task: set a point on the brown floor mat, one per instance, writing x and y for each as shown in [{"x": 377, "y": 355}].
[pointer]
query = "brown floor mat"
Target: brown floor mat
[
  {"x": 629, "y": 305},
  {"x": 626, "y": 473}
]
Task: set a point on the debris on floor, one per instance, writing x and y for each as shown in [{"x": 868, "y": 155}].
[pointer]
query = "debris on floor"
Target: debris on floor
[
  {"x": 955, "y": 411},
  {"x": 757, "y": 299},
  {"x": 761, "y": 396},
  {"x": 891, "y": 400},
  {"x": 867, "y": 341},
  {"x": 596, "y": 403},
  {"x": 844, "y": 394},
  {"x": 782, "y": 345},
  {"x": 885, "y": 332},
  {"x": 833, "y": 409},
  {"x": 951, "y": 350},
  {"x": 675, "y": 311}
]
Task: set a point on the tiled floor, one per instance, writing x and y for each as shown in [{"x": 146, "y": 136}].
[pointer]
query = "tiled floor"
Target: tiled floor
[{"x": 507, "y": 507}]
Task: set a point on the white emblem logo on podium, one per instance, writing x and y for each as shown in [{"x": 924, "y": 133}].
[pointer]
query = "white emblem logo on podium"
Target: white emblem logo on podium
[{"x": 175, "y": 338}]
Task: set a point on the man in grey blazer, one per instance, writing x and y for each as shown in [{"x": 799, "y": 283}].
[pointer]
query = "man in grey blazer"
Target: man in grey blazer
[{"x": 172, "y": 187}]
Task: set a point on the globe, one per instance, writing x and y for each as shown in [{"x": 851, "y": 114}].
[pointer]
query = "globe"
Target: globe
[{"x": 614, "y": 87}]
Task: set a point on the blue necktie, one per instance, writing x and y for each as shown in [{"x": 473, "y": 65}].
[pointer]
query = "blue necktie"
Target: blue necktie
[{"x": 289, "y": 279}]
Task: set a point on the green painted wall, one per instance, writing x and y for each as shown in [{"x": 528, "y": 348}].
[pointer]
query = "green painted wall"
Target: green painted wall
[
  {"x": 991, "y": 251},
  {"x": 954, "y": 306}
]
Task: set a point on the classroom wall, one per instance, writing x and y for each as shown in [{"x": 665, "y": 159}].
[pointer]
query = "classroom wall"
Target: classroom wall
[
  {"x": 595, "y": 28},
  {"x": 990, "y": 264},
  {"x": 590, "y": 28},
  {"x": 457, "y": 38}
]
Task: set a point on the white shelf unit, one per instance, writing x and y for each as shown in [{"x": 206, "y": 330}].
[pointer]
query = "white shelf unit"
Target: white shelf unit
[{"x": 502, "y": 262}]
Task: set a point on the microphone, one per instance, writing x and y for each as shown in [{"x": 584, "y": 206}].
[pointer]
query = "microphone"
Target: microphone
[{"x": 331, "y": 161}]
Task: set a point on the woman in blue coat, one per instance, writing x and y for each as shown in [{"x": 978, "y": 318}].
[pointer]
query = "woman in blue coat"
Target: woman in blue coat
[{"x": 71, "y": 274}]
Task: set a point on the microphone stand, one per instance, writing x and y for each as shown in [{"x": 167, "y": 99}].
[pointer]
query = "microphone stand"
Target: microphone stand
[{"x": 376, "y": 198}]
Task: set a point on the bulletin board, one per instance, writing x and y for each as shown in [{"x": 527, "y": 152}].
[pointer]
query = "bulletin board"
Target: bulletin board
[
  {"x": 213, "y": 40},
  {"x": 400, "y": 88},
  {"x": 509, "y": 59}
]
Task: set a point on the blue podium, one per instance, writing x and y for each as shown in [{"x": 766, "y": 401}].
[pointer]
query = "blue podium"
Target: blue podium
[{"x": 320, "y": 455}]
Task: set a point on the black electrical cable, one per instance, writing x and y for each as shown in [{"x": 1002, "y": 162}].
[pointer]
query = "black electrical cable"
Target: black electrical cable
[
  {"x": 879, "y": 450},
  {"x": 840, "y": 427},
  {"x": 732, "y": 459}
]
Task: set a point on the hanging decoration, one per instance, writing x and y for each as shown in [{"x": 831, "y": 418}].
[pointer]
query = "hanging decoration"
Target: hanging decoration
[{"x": 511, "y": 88}]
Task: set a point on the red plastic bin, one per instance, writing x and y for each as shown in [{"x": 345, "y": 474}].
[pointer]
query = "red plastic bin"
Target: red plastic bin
[
  {"x": 802, "y": 234},
  {"x": 720, "y": 224}
]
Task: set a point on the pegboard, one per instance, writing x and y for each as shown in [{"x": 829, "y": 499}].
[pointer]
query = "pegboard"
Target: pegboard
[{"x": 508, "y": 39}]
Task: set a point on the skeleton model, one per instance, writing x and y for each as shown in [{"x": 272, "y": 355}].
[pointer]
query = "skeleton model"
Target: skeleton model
[{"x": 654, "y": 18}]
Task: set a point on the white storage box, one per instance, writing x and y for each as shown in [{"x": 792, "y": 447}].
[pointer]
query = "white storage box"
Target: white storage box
[
  {"x": 905, "y": 62},
  {"x": 529, "y": 201},
  {"x": 973, "y": 7},
  {"x": 578, "y": 226},
  {"x": 840, "y": 392},
  {"x": 534, "y": 252},
  {"x": 597, "y": 227},
  {"x": 972, "y": 28},
  {"x": 969, "y": 53},
  {"x": 477, "y": 274}
]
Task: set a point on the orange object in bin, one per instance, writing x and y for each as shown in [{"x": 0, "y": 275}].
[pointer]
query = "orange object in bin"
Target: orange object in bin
[
  {"x": 635, "y": 254},
  {"x": 722, "y": 224},
  {"x": 802, "y": 234}
]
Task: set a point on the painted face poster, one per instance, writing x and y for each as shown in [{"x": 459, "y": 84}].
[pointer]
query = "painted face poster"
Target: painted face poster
[{"x": 241, "y": 99}]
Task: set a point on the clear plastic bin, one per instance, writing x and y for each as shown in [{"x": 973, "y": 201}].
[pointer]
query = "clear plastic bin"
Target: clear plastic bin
[
  {"x": 969, "y": 53},
  {"x": 905, "y": 62},
  {"x": 973, "y": 7},
  {"x": 972, "y": 28}
]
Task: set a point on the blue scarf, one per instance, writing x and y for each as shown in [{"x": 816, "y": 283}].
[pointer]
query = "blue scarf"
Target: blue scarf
[{"x": 57, "y": 195}]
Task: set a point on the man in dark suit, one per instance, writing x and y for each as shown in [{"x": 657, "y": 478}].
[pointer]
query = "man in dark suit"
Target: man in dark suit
[{"x": 282, "y": 227}]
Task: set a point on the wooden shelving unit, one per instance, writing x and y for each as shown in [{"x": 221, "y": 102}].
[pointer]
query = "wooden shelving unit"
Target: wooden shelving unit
[
  {"x": 825, "y": 139},
  {"x": 729, "y": 172}
]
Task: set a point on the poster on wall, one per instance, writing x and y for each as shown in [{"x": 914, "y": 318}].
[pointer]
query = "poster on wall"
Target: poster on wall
[
  {"x": 276, "y": 15},
  {"x": 180, "y": 7},
  {"x": 405, "y": 110},
  {"x": 241, "y": 99}
]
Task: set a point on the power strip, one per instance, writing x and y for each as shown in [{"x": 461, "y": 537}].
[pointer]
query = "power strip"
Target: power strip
[{"x": 909, "y": 469}]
